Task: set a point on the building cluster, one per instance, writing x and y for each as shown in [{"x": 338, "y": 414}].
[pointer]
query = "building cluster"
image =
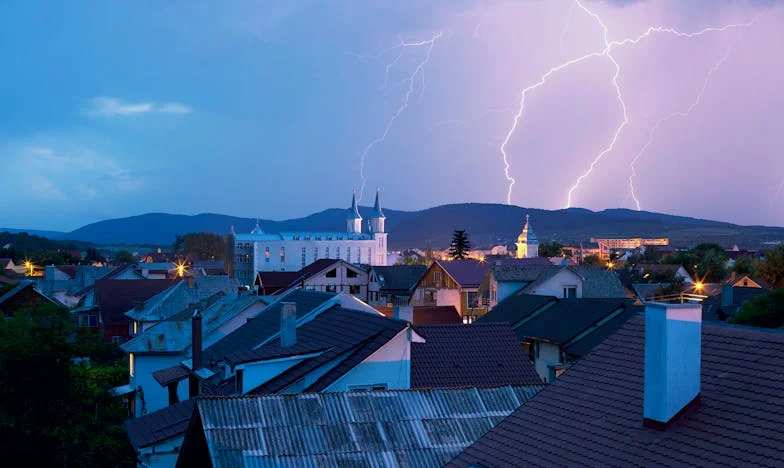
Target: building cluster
[{"x": 309, "y": 349}]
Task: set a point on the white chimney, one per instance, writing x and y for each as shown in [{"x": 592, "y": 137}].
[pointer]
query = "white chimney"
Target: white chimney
[
  {"x": 404, "y": 312},
  {"x": 288, "y": 324},
  {"x": 673, "y": 341}
]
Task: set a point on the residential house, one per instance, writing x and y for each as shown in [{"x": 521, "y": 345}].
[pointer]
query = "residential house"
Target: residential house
[
  {"x": 157, "y": 270},
  {"x": 427, "y": 315},
  {"x": 327, "y": 275},
  {"x": 746, "y": 281},
  {"x": 570, "y": 282},
  {"x": 423, "y": 427},
  {"x": 72, "y": 285},
  {"x": 665, "y": 270},
  {"x": 181, "y": 295},
  {"x": 722, "y": 306},
  {"x": 210, "y": 267},
  {"x": 394, "y": 285},
  {"x": 557, "y": 332},
  {"x": 664, "y": 390},
  {"x": 113, "y": 298},
  {"x": 6, "y": 264},
  {"x": 23, "y": 295},
  {"x": 165, "y": 344}
]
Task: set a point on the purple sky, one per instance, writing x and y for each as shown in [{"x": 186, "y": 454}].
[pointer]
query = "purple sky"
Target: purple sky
[{"x": 265, "y": 108}]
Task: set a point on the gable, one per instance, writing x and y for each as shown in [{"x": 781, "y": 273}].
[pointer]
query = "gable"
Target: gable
[{"x": 437, "y": 277}]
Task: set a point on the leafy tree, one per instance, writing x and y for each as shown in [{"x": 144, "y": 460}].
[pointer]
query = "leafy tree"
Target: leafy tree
[
  {"x": 123, "y": 256},
  {"x": 56, "y": 412},
  {"x": 592, "y": 260},
  {"x": 712, "y": 266},
  {"x": 203, "y": 245},
  {"x": 94, "y": 256},
  {"x": 766, "y": 311},
  {"x": 460, "y": 245},
  {"x": 744, "y": 265},
  {"x": 772, "y": 268},
  {"x": 551, "y": 249},
  {"x": 688, "y": 259}
]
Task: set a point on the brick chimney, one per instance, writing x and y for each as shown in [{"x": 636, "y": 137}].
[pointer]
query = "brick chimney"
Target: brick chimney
[
  {"x": 404, "y": 312},
  {"x": 288, "y": 324},
  {"x": 673, "y": 341},
  {"x": 197, "y": 340}
]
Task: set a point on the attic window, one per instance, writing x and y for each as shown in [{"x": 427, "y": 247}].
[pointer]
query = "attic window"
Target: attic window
[
  {"x": 333, "y": 273},
  {"x": 745, "y": 282},
  {"x": 351, "y": 274}
]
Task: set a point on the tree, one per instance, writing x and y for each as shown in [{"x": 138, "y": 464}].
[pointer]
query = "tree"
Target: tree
[
  {"x": 460, "y": 245},
  {"x": 94, "y": 256},
  {"x": 766, "y": 311},
  {"x": 744, "y": 265},
  {"x": 592, "y": 260},
  {"x": 203, "y": 245},
  {"x": 551, "y": 249},
  {"x": 123, "y": 256},
  {"x": 772, "y": 268},
  {"x": 712, "y": 266}
]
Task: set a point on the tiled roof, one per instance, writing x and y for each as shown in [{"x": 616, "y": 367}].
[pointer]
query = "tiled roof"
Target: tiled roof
[
  {"x": 19, "y": 287},
  {"x": 180, "y": 296},
  {"x": 714, "y": 310},
  {"x": 264, "y": 325},
  {"x": 167, "y": 423},
  {"x": 659, "y": 267},
  {"x": 380, "y": 428},
  {"x": 592, "y": 414},
  {"x": 335, "y": 332},
  {"x": 428, "y": 315},
  {"x": 402, "y": 278},
  {"x": 516, "y": 307},
  {"x": 523, "y": 273},
  {"x": 478, "y": 355},
  {"x": 115, "y": 297},
  {"x": 599, "y": 282},
  {"x": 468, "y": 272},
  {"x": 277, "y": 279}
]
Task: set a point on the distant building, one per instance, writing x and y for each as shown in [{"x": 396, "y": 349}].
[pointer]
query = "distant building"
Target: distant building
[
  {"x": 291, "y": 251},
  {"x": 607, "y": 246},
  {"x": 527, "y": 242}
]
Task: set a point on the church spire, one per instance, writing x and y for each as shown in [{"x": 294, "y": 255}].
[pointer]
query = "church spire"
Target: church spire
[
  {"x": 353, "y": 218},
  {"x": 377, "y": 213}
]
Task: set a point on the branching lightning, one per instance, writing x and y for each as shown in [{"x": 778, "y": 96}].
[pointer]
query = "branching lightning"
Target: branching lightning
[
  {"x": 606, "y": 52},
  {"x": 682, "y": 114},
  {"x": 412, "y": 78}
]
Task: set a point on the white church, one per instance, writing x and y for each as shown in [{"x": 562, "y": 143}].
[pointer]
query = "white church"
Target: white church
[
  {"x": 291, "y": 251},
  {"x": 527, "y": 242}
]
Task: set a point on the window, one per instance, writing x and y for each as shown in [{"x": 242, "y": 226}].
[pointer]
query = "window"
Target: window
[
  {"x": 337, "y": 252},
  {"x": 266, "y": 254},
  {"x": 354, "y": 289},
  {"x": 283, "y": 255},
  {"x": 745, "y": 282},
  {"x": 331, "y": 288},
  {"x": 369, "y": 256},
  {"x": 570, "y": 292},
  {"x": 472, "y": 300},
  {"x": 348, "y": 254},
  {"x": 333, "y": 273},
  {"x": 303, "y": 256},
  {"x": 239, "y": 379},
  {"x": 326, "y": 254},
  {"x": 315, "y": 254},
  {"x": 437, "y": 278},
  {"x": 351, "y": 273},
  {"x": 131, "y": 364},
  {"x": 468, "y": 319}
]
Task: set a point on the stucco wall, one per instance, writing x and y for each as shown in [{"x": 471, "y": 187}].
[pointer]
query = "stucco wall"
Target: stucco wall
[
  {"x": 548, "y": 354},
  {"x": 554, "y": 286},
  {"x": 390, "y": 364},
  {"x": 155, "y": 396}
]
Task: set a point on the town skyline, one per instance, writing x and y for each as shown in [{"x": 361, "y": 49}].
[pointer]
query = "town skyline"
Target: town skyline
[{"x": 235, "y": 106}]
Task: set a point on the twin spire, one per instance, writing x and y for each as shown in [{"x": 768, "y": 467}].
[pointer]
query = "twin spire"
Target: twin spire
[{"x": 353, "y": 212}]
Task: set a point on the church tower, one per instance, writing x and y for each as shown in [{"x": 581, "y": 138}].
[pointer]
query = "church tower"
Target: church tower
[
  {"x": 379, "y": 233},
  {"x": 353, "y": 218},
  {"x": 527, "y": 243},
  {"x": 378, "y": 218}
]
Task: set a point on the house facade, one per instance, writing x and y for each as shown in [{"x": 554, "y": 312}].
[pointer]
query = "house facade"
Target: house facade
[{"x": 454, "y": 283}]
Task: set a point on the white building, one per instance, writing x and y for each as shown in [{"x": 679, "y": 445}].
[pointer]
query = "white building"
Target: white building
[
  {"x": 527, "y": 242},
  {"x": 291, "y": 251}
]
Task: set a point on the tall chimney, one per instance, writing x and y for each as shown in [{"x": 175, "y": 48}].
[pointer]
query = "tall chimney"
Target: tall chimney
[
  {"x": 404, "y": 312},
  {"x": 673, "y": 340},
  {"x": 726, "y": 295},
  {"x": 288, "y": 324},
  {"x": 196, "y": 335}
]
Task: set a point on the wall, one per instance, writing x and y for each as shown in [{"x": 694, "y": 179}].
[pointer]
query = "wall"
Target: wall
[
  {"x": 155, "y": 396},
  {"x": 163, "y": 455},
  {"x": 548, "y": 354},
  {"x": 447, "y": 297},
  {"x": 341, "y": 281},
  {"x": 506, "y": 289},
  {"x": 258, "y": 373},
  {"x": 390, "y": 364},
  {"x": 554, "y": 286}
]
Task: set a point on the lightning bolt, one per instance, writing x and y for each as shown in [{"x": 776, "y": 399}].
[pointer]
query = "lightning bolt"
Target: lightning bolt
[
  {"x": 417, "y": 73},
  {"x": 609, "y": 46},
  {"x": 682, "y": 114}
]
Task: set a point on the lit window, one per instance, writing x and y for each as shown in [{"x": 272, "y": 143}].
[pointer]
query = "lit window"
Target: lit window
[
  {"x": 266, "y": 254},
  {"x": 132, "y": 362},
  {"x": 283, "y": 255}
]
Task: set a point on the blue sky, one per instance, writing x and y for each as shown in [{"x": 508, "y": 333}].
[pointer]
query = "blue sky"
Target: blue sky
[{"x": 265, "y": 108}]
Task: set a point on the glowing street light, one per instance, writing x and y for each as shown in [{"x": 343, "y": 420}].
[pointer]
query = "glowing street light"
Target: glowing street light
[
  {"x": 181, "y": 267},
  {"x": 29, "y": 266}
]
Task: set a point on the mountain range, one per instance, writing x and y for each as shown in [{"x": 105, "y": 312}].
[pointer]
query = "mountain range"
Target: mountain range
[{"x": 487, "y": 225}]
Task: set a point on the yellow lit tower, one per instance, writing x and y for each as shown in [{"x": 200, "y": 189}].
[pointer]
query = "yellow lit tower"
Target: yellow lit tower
[{"x": 527, "y": 243}]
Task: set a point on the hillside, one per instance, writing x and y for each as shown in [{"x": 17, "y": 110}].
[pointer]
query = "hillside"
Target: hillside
[{"x": 487, "y": 224}]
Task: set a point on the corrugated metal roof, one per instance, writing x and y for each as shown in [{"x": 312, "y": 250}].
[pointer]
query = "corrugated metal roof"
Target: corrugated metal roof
[{"x": 380, "y": 428}]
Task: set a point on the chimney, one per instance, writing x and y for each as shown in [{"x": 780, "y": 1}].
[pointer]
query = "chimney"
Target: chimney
[
  {"x": 673, "y": 341},
  {"x": 196, "y": 338},
  {"x": 404, "y": 312},
  {"x": 288, "y": 324},
  {"x": 726, "y": 295}
]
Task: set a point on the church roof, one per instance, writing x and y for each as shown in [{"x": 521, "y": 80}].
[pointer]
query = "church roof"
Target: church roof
[
  {"x": 528, "y": 233},
  {"x": 353, "y": 212},
  {"x": 377, "y": 213}
]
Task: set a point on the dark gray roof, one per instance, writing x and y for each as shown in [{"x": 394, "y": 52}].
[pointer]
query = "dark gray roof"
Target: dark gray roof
[
  {"x": 592, "y": 414},
  {"x": 714, "y": 310},
  {"x": 600, "y": 282},
  {"x": 171, "y": 374},
  {"x": 523, "y": 273},
  {"x": 402, "y": 278},
  {"x": 478, "y": 355},
  {"x": 264, "y": 325},
  {"x": 516, "y": 307},
  {"x": 380, "y": 428},
  {"x": 336, "y": 332},
  {"x": 159, "y": 426}
]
